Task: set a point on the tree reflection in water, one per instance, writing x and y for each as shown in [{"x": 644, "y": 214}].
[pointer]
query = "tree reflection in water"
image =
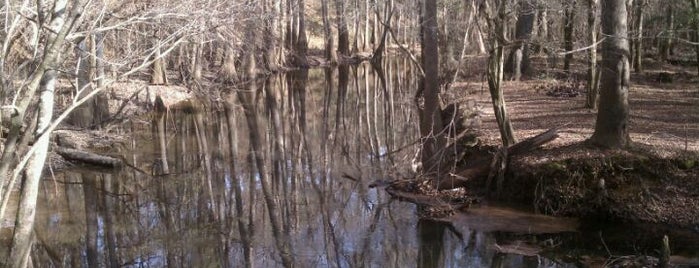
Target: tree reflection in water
[{"x": 277, "y": 176}]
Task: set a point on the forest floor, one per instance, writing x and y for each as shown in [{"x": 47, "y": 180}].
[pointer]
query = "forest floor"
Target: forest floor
[{"x": 656, "y": 180}]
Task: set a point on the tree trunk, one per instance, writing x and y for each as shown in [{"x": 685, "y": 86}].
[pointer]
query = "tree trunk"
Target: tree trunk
[
  {"x": 23, "y": 236},
  {"x": 611, "y": 127},
  {"x": 83, "y": 115},
  {"x": 666, "y": 42},
  {"x": 518, "y": 60},
  {"x": 543, "y": 32},
  {"x": 330, "y": 54},
  {"x": 592, "y": 87},
  {"x": 302, "y": 42},
  {"x": 695, "y": 7},
  {"x": 158, "y": 76},
  {"x": 430, "y": 118},
  {"x": 495, "y": 77},
  {"x": 568, "y": 32},
  {"x": 342, "y": 32},
  {"x": 638, "y": 40}
]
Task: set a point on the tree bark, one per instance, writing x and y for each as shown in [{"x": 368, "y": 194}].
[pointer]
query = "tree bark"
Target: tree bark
[
  {"x": 518, "y": 60},
  {"x": 430, "y": 118},
  {"x": 495, "y": 76},
  {"x": 302, "y": 42},
  {"x": 638, "y": 40},
  {"x": 695, "y": 8},
  {"x": 568, "y": 32},
  {"x": 592, "y": 86},
  {"x": 158, "y": 75},
  {"x": 666, "y": 42},
  {"x": 611, "y": 127},
  {"x": 330, "y": 54},
  {"x": 342, "y": 32}
]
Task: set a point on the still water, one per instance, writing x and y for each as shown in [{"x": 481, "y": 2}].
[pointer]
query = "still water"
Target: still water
[{"x": 277, "y": 176}]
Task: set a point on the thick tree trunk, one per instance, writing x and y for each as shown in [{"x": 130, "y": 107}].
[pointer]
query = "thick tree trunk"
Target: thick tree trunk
[
  {"x": 158, "y": 75},
  {"x": 568, "y": 32},
  {"x": 611, "y": 127},
  {"x": 518, "y": 60},
  {"x": 592, "y": 87},
  {"x": 342, "y": 32},
  {"x": 302, "y": 42},
  {"x": 430, "y": 118}
]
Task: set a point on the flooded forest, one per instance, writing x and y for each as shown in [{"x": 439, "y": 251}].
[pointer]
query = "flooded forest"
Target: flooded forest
[{"x": 358, "y": 133}]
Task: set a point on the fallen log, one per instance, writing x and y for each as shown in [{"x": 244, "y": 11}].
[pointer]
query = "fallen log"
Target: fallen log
[
  {"x": 480, "y": 168},
  {"x": 88, "y": 157}
]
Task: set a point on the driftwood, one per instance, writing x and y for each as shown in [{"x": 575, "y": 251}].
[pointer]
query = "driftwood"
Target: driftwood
[
  {"x": 88, "y": 157},
  {"x": 480, "y": 168}
]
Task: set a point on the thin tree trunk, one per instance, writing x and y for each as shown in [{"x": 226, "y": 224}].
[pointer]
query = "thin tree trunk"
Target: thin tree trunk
[
  {"x": 592, "y": 87},
  {"x": 638, "y": 40},
  {"x": 695, "y": 7},
  {"x": 327, "y": 31},
  {"x": 495, "y": 77},
  {"x": 666, "y": 42},
  {"x": 611, "y": 127},
  {"x": 568, "y": 32}
]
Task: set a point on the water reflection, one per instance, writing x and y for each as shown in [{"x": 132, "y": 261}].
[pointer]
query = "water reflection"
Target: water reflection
[{"x": 275, "y": 177}]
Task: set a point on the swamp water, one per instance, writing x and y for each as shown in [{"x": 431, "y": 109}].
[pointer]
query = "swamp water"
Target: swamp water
[{"x": 286, "y": 184}]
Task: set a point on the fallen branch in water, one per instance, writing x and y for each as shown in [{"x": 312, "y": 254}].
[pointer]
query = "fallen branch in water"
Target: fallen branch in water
[{"x": 89, "y": 158}]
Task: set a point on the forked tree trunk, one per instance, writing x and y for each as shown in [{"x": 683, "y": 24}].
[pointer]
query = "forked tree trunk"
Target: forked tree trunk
[
  {"x": 611, "y": 127},
  {"x": 592, "y": 75},
  {"x": 495, "y": 77}
]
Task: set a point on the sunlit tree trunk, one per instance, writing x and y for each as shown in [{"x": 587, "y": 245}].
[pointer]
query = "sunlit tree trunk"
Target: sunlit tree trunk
[
  {"x": 158, "y": 69},
  {"x": 592, "y": 75},
  {"x": 46, "y": 77},
  {"x": 638, "y": 39},
  {"x": 495, "y": 76},
  {"x": 611, "y": 127}
]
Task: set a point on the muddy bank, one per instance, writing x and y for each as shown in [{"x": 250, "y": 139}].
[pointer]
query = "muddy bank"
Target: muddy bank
[{"x": 629, "y": 186}]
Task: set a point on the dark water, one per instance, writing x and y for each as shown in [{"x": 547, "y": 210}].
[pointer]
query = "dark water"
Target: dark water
[{"x": 285, "y": 184}]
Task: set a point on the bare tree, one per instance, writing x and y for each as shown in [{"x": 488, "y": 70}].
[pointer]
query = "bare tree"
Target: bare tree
[{"x": 592, "y": 74}]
